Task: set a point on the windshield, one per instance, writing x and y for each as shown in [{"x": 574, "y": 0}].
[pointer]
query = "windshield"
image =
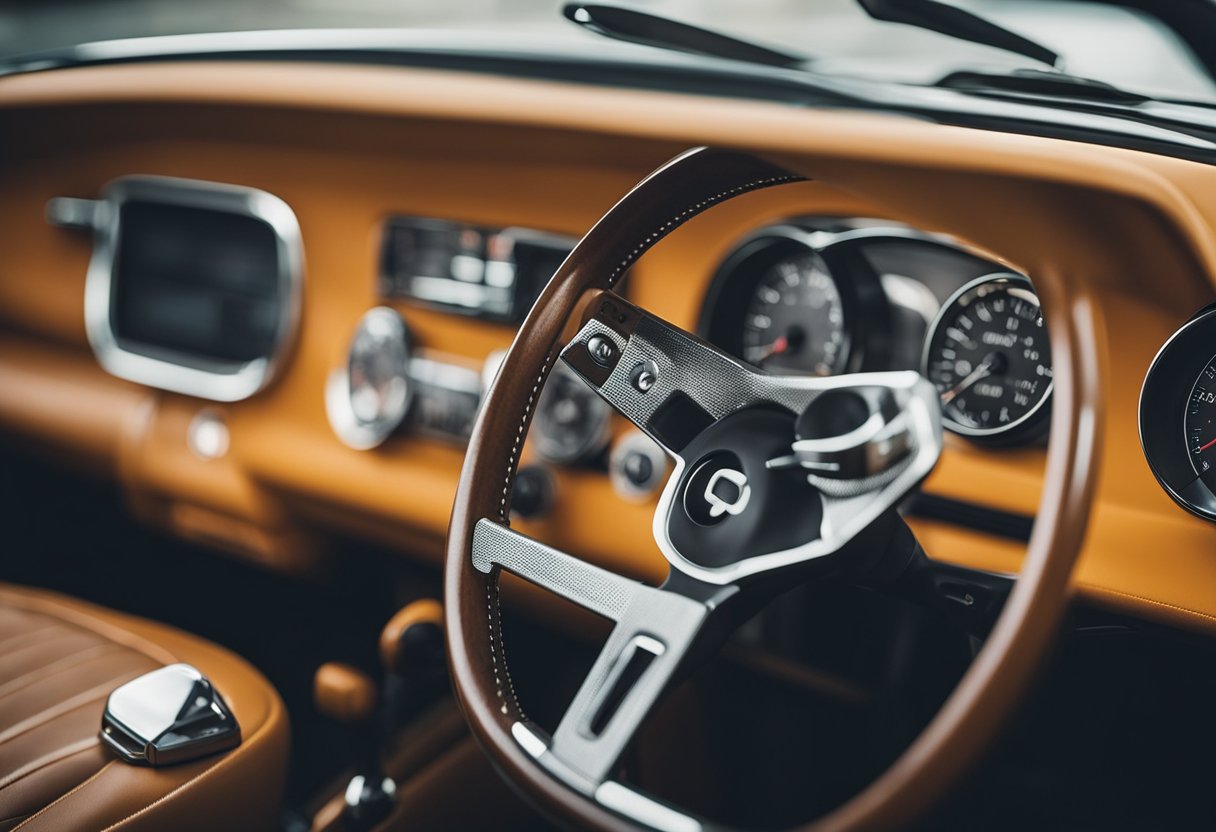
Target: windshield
[{"x": 1122, "y": 47}]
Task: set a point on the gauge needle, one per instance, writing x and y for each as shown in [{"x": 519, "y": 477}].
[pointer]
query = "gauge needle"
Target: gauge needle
[
  {"x": 776, "y": 348},
  {"x": 1205, "y": 447},
  {"x": 982, "y": 371}
]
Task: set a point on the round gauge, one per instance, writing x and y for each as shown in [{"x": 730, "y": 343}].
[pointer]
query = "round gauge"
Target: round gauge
[
  {"x": 787, "y": 307},
  {"x": 1178, "y": 416},
  {"x": 989, "y": 356},
  {"x": 795, "y": 297},
  {"x": 571, "y": 422},
  {"x": 368, "y": 399}
]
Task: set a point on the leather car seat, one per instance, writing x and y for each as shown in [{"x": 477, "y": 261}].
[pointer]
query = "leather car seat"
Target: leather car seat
[{"x": 59, "y": 660}]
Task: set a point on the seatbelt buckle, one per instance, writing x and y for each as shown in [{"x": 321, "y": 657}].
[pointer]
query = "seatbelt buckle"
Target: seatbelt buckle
[{"x": 168, "y": 716}]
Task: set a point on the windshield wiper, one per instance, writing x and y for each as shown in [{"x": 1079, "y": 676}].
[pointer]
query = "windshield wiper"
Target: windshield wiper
[
  {"x": 622, "y": 23},
  {"x": 964, "y": 25},
  {"x": 1040, "y": 83},
  {"x": 946, "y": 19},
  {"x": 1051, "y": 87}
]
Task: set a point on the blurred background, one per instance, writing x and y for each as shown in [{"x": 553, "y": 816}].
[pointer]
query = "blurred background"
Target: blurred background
[{"x": 1117, "y": 45}]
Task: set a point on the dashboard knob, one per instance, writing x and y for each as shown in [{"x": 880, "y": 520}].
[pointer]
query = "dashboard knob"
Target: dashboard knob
[
  {"x": 637, "y": 466},
  {"x": 532, "y": 493}
]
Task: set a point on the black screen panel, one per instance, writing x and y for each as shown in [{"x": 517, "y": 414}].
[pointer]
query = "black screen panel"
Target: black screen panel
[{"x": 195, "y": 281}]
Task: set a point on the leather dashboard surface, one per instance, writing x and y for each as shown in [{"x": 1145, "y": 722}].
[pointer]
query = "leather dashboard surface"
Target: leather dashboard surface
[{"x": 347, "y": 147}]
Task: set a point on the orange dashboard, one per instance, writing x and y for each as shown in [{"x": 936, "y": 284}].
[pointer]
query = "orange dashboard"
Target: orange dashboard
[{"x": 349, "y": 148}]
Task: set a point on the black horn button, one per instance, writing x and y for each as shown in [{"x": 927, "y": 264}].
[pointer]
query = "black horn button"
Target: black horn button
[
  {"x": 729, "y": 506},
  {"x": 717, "y": 489}
]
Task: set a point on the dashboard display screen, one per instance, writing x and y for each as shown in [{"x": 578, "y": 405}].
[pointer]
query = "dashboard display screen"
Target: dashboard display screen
[{"x": 195, "y": 281}]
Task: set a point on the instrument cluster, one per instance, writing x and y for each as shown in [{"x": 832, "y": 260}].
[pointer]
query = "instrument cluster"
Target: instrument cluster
[
  {"x": 825, "y": 297},
  {"x": 805, "y": 297}
]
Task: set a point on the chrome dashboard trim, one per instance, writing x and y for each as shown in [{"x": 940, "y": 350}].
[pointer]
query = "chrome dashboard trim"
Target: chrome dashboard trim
[
  {"x": 357, "y": 433},
  {"x": 173, "y": 370}
]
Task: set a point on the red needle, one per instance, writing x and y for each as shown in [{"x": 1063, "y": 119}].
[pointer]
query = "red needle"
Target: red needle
[
  {"x": 1205, "y": 447},
  {"x": 776, "y": 348}
]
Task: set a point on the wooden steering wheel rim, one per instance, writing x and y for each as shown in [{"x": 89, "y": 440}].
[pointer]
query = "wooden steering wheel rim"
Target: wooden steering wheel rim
[{"x": 992, "y": 686}]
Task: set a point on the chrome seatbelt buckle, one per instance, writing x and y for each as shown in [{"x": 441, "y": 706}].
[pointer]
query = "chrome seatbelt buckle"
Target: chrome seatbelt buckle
[{"x": 167, "y": 716}]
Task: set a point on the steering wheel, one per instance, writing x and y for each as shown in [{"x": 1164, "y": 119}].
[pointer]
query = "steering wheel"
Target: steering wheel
[{"x": 775, "y": 479}]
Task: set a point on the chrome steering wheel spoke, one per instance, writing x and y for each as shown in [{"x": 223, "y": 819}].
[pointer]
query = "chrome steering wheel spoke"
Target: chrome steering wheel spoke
[
  {"x": 667, "y": 382},
  {"x": 591, "y": 587},
  {"x": 642, "y": 656},
  {"x": 656, "y": 630}
]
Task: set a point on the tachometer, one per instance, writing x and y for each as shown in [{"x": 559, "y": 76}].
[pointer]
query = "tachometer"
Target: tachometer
[
  {"x": 989, "y": 356},
  {"x": 785, "y": 306}
]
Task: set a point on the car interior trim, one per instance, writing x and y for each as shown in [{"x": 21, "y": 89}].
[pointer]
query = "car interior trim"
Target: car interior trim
[{"x": 172, "y": 369}]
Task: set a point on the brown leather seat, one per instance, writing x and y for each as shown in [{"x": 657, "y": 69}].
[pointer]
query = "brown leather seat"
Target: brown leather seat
[{"x": 59, "y": 660}]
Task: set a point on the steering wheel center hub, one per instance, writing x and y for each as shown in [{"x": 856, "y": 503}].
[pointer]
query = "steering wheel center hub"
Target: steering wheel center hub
[{"x": 730, "y": 504}]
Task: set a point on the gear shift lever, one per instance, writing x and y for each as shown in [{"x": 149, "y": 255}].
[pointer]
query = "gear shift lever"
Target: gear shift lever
[
  {"x": 412, "y": 655},
  {"x": 349, "y": 696}
]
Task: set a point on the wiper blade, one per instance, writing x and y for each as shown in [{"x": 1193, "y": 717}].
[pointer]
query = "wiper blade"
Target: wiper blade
[
  {"x": 958, "y": 23},
  {"x": 634, "y": 26},
  {"x": 1039, "y": 83}
]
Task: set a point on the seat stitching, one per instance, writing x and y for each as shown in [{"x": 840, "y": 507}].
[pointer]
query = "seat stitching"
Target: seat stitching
[
  {"x": 65, "y": 795},
  {"x": 47, "y": 760},
  {"x": 53, "y": 667},
  {"x": 4, "y": 694},
  {"x": 274, "y": 714},
  {"x": 64, "y": 707},
  {"x": 54, "y": 625},
  {"x": 43, "y": 644},
  {"x": 103, "y": 629}
]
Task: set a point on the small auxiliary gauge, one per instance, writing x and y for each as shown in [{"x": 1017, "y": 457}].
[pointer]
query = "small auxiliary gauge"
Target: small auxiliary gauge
[
  {"x": 571, "y": 422},
  {"x": 989, "y": 357},
  {"x": 368, "y": 398}
]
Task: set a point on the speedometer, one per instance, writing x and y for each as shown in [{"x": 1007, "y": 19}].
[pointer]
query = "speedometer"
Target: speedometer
[{"x": 989, "y": 357}]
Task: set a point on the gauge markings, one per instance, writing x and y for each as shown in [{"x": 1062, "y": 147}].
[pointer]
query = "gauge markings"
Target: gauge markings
[
  {"x": 989, "y": 357},
  {"x": 1200, "y": 421},
  {"x": 795, "y": 319}
]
